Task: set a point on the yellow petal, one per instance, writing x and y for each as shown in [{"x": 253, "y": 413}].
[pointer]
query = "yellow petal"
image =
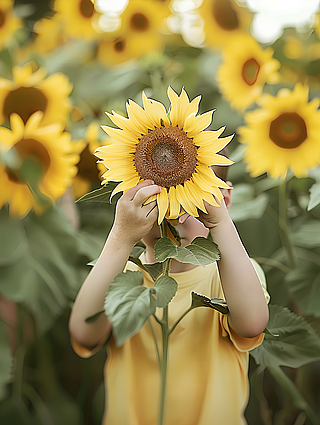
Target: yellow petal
[
  {"x": 138, "y": 117},
  {"x": 150, "y": 199},
  {"x": 207, "y": 174},
  {"x": 124, "y": 123},
  {"x": 186, "y": 204},
  {"x": 125, "y": 185},
  {"x": 16, "y": 125},
  {"x": 156, "y": 111},
  {"x": 163, "y": 203},
  {"x": 194, "y": 124},
  {"x": 195, "y": 195},
  {"x": 174, "y": 204},
  {"x": 175, "y": 107},
  {"x": 207, "y": 157},
  {"x": 120, "y": 135}
]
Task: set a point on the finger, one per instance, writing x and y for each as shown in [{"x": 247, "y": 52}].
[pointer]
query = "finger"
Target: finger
[
  {"x": 129, "y": 195},
  {"x": 145, "y": 192},
  {"x": 183, "y": 218}
]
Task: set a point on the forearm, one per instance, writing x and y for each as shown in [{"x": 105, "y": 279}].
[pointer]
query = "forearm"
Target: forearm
[
  {"x": 91, "y": 296},
  {"x": 241, "y": 286}
]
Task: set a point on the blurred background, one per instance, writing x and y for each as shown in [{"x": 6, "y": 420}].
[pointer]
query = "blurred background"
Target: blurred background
[{"x": 63, "y": 63}]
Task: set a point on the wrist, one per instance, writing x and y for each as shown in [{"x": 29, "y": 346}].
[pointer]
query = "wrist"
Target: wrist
[{"x": 120, "y": 240}]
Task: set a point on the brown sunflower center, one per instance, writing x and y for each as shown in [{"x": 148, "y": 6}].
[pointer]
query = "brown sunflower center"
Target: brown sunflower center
[
  {"x": 224, "y": 14},
  {"x": 139, "y": 22},
  {"x": 86, "y": 8},
  {"x": 87, "y": 167},
  {"x": 2, "y": 18},
  {"x": 29, "y": 151},
  {"x": 250, "y": 71},
  {"x": 119, "y": 45},
  {"x": 24, "y": 101},
  {"x": 288, "y": 130},
  {"x": 167, "y": 156}
]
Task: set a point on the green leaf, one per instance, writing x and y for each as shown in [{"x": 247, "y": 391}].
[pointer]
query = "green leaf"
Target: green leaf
[
  {"x": 245, "y": 205},
  {"x": 128, "y": 305},
  {"x": 296, "y": 345},
  {"x": 166, "y": 288},
  {"x": 154, "y": 270},
  {"x": 218, "y": 304},
  {"x": 95, "y": 316},
  {"x": 98, "y": 195},
  {"x": 314, "y": 196},
  {"x": 174, "y": 232},
  {"x": 13, "y": 244},
  {"x": 47, "y": 274},
  {"x": 200, "y": 252},
  {"x": 137, "y": 250},
  {"x": 303, "y": 284},
  {"x": 307, "y": 234}
]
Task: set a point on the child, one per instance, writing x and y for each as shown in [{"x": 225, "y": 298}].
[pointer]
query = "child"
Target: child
[{"x": 208, "y": 352}]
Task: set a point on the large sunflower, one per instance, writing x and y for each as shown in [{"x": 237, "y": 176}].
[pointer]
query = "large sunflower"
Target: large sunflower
[
  {"x": 9, "y": 22},
  {"x": 223, "y": 20},
  {"x": 47, "y": 150},
  {"x": 246, "y": 68},
  {"x": 80, "y": 18},
  {"x": 175, "y": 153},
  {"x": 283, "y": 134},
  {"x": 31, "y": 91}
]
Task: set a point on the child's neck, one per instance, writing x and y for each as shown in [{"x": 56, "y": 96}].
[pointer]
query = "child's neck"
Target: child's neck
[{"x": 176, "y": 266}]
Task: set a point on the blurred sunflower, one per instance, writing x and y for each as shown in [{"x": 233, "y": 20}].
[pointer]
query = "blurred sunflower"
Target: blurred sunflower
[
  {"x": 176, "y": 154},
  {"x": 246, "y": 68},
  {"x": 118, "y": 50},
  {"x": 283, "y": 134},
  {"x": 9, "y": 22},
  {"x": 89, "y": 171},
  {"x": 223, "y": 20},
  {"x": 44, "y": 168},
  {"x": 50, "y": 33},
  {"x": 142, "y": 22},
  {"x": 31, "y": 91},
  {"x": 80, "y": 17}
]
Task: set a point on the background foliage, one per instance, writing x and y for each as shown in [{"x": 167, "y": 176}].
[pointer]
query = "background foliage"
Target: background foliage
[{"x": 44, "y": 257}]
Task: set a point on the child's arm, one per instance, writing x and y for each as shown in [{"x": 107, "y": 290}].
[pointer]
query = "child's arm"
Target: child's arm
[
  {"x": 132, "y": 222},
  {"x": 248, "y": 310}
]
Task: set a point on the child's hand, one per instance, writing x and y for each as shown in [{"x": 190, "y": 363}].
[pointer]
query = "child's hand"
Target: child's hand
[
  {"x": 134, "y": 220},
  {"x": 215, "y": 216}
]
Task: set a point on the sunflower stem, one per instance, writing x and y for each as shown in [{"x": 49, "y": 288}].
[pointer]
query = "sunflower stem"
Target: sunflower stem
[
  {"x": 283, "y": 225},
  {"x": 165, "y": 336}
]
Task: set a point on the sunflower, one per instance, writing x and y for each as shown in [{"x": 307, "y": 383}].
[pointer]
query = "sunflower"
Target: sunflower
[
  {"x": 9, "y": 22},
  {"x": 246, "y": 68},
  {"x": 47, "y": 150},
  {"x": 175, "y": 153},
  {"x": 80, "y": 17},
  {"x": 31, "y": 91},
  {"x": 142, "y": 22},
  {"x": 283, "y": 134},
  {"x": 89, "y": 171},
  {"x": 117, "y": 50},
  {"x": 223, "y": 20}
]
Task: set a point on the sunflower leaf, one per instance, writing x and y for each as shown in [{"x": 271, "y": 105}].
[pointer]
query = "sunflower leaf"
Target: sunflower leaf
[
  {"x": 128, "y": 305},
  {"x": 200, "y": 252},
  {"x": 154, "y": 270},
  {"x": 165, "y": 289},
  {"x": 98, "y": 195},
  {"x": 295, "y": 345},
  {"x": 218, "y": 304},
  {"x": 314, "y": 196}
]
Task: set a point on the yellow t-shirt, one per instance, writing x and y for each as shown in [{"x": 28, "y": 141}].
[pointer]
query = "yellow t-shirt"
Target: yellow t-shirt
[{"x": 207, "y": 379}]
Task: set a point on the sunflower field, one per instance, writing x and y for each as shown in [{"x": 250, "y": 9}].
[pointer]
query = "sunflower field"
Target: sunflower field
[{"x": 63, "y": 64}]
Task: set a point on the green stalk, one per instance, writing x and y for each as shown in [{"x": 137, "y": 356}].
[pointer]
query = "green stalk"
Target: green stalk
[
  {"x": 165, "y": 336},
  {"x": 283, "y": 225}
]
